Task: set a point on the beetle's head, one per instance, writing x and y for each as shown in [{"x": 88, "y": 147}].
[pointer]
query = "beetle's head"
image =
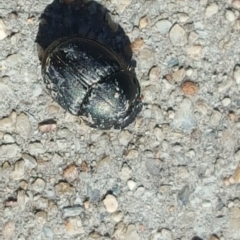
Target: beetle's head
[{"x": 113, "y": 103}]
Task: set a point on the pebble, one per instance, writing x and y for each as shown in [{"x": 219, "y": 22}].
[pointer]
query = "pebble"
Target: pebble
[
  {"x": 111, "y": 204},
  {"x": 184, "y": 118},
  {"x": 146, "y": 59},
  {"x": 121, "y": 6},
  {"x": 23, "y": 125},
  {"x": 193, "y": 36},
  {"x": 154, "y": 74},
  {"x": 139, "y": 192},
  {"x": 30, "y": 162},
  {"x": 179, "y": 75},
  {"x": 189, "y": 88},
  {"x": 183, "y": 17},
  {"x": 158, "y": 133},
  {"x": 131, "y": 184},
  {"x": 7, "y": 123},
  {"x": 38, "y": 185},
  {"x": 226, "y": 101},
  {"x": 215, "y": 118},
  {"x": 47, "y": 126},
  {"x": 36, "y": 148},
  {"x": 9, "y": 151},
  {"x": 163, "y": 26},
  {"x": 63, "y": 188},
  {"x": 143, "y": 22},
  {"x": 72, "y": 211},
  {"x": 94, "y": 235},
  {"x": 117, "y": 216},
  {"x": 13, "y": 60},
  {"x": 70, "y": 173},
  {"x": 3, "y": 30},
  {"x": 41, "y": 217},
  {"x": 137, "y": 45},
  {"x": 48, "y": 233},
  {"x": 153, "y": 166},
  {"x": 7, "y": 138},
  {"x": 211, "y": 9},
  {"x": 132, "y": 154},
  {"x": 225, "y": 85},
  {"x": 22, "y": 199},
  {"x": 8, "y": 230},
  {"x": 236, "y": 74},
  {"x": 236, "y": 4},
  {"x": 19, "y": 168},
  {"x": 119, "y": 231},
  {"x": 103, "y": 163},
  {"x": 178, "y": 35},
  {"x": 131, "y": 233},
  {"x": 124, "y": 137},
  {"x": 195, "y": 52},
  {"x": 236, "y": 175},
  {"x": 73, "y": 226},
  {"x": 183, "y": 195},
  {"x": 125, "y": 172},
  {"x": 230, "y": 16}
]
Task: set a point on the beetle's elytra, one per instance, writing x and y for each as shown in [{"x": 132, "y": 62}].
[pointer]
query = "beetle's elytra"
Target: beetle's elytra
[{"x": 89, "y": 80}]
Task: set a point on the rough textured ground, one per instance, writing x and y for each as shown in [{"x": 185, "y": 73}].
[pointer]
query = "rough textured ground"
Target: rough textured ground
[{"x": 172, "y": 174}]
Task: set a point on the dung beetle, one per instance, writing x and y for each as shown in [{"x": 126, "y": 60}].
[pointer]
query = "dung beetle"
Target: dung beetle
[{"x": 89, "y": 80}]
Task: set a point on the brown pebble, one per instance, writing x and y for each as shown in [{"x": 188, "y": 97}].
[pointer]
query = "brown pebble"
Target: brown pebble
[
  {"x": 189, "y": 88},
  {"x": 143, "y": 22},
  {"x": 70, "y": 172},
  {"x": 47, "y": 126},
  {"x": 137, "y": 44},
  {"x": 169, "y": 77}
]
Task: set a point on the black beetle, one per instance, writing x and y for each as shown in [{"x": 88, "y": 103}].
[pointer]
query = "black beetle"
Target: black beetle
[{"x": 89, "y": 80}]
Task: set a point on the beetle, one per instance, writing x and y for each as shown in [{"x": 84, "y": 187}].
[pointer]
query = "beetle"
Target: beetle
[{"x": 91, "y": 81}]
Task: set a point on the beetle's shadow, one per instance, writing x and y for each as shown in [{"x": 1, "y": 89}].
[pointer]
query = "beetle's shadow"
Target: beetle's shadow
[{"x": 83, "y": 19}]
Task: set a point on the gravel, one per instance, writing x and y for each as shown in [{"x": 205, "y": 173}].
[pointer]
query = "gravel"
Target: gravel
[{"x": 173, "y": 174}]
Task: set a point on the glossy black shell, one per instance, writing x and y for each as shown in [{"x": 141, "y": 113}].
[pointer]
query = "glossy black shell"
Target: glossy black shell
[{"x": 89, "y": 80}]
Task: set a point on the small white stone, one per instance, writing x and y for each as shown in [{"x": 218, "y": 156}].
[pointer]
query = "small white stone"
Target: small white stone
[
  {"x": 183, "y": 17},
  {"x": 211, "y": 9},
  {"x": 125, "y": 172},
  {"x": 236, "y": 74},
  {"x": 230, "y": 16},
  {"x": 139, "y": 192},
  {"x": 41, "y": 217},
  {"x": 36, "y": 148},
  {"x": 215, "y": 118},
  {"x": 3, "y": 30},
  {"x": 236, "y": 4},
  {"x": 195, "y": 52},
  {"x": 131, "y": 184},
  {"x": 8, "y": 230},
  {"x": 38, "y": 185},
  {"x": 7, "y": 138},
  {"x": 178, "y": 35},
  {"x": 23, "y": 125},
  {"x": 73, "y": 226},
  {"x": 124, "y": 137},
  {"x": 111, "y": 203},
  {"x": 226, "y": 101},
  {"x": 131, "y": 233},
  {"x": 189, "y": 72},
  {"x": 19, "y": 168},
  {"x": 117, "y": 216},
  {"x": 163, "y": 26}
]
